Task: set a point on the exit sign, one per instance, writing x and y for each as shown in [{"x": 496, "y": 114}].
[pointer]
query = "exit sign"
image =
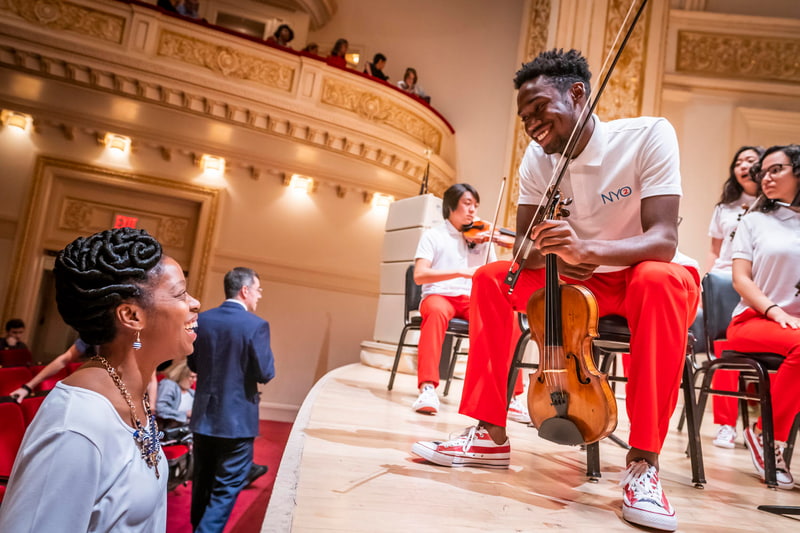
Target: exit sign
[{"x": 125, "y": 221}]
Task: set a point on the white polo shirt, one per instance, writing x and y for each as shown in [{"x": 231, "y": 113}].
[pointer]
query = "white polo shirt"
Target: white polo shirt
[
  {"x": 445, "y": 247},
  {"x": 625, "y": 161},
  {"x": 723, "y": 224},
  {"x": 771, "y": 242}
]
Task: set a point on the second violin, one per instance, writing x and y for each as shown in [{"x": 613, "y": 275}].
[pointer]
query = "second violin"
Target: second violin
[{"x": 481, "y": 231}]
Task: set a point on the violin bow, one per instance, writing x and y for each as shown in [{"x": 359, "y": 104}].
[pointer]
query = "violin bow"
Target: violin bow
[
  {"x": 494, "y": 220},
  {"x": 563, "y": 162},
  {"x": 423, "y": 186}
]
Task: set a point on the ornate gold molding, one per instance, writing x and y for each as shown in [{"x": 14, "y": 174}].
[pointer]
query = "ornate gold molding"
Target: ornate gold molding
[
  {"x": 738, "y": 56},
  {"x": 369, "y": 106},
  {"x": 623, "y": 94},
  {"x": 61, "y": 15},
  {"x": 299, "y": 129},
  {"x": 224, "y": 60},
  {"x": 535, "y": 42}
]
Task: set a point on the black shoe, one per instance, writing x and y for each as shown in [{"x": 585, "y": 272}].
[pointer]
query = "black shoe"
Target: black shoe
[{"x": 256, "y": 471}]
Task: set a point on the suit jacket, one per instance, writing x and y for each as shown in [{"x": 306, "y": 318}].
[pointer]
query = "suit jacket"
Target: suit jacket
[{"x": 232, "y": 355}]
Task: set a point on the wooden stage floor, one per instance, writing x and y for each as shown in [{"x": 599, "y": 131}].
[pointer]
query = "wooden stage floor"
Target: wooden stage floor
[{"x": 348, "y": 467}]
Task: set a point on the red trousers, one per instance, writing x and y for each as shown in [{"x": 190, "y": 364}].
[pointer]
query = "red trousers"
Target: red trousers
[
  {"x": 726, "y": 408},
  {"x": 659, "y": 301},
  {"x": 753, "y": 332},
  {"x": 437, "y": 311}
]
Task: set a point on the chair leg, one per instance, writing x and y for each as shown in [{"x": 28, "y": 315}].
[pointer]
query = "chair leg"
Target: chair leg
[
  {"x": 452, "y": 369},
  {"x": 767, "y": 428},
  {"x": 593, "y": 462},
  {"x": 400, "y": 345},
  {"x": 789, "y": 451},
  {"x": 693, "y": 426}
]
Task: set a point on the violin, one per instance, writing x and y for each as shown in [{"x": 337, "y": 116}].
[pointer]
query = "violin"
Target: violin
[
  {"x": 569, "y": 400},
  {"x": 481, "y": 231}
]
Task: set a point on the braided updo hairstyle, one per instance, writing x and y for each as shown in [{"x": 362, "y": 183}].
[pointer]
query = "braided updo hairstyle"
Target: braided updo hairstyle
[{"x": 95, "y": 274}]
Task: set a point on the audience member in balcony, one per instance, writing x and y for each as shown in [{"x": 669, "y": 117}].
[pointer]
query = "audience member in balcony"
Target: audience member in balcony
[
  {"x": 375, "y": 68},
  {"x": 282, "y": 36},
  {"x": 311, "y": 48},
  {"x": 188, "y": 8},
  {"x": 169, "y": 5},
  {"x": 337, "y": 56},
  {"x": 15, "y": 329},
  {"x": 409, "y": 84},
  {"x": 91, "y": 459}
]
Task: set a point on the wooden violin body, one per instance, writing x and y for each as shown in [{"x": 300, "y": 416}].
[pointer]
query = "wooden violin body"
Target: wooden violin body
[
  {"x": 482, "y": 231},
  {"x": 569, "y": 400}
]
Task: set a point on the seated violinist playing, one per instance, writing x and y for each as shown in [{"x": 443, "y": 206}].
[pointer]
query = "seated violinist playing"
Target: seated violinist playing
[
  {"x": 620, "y": 245},
  {"x": 443, "y": 264}
]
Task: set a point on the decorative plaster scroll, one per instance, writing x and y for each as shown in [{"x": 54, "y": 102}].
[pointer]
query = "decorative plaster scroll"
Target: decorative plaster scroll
[
  {"x": 75, "y": 215},
  {"x": 738, "y": 56},
  {"x": 61, "y": 15},
  {"x": 172, "y": 231},
  {"x": 536, "y": 42},
  {"x": 224, "y": 60},
  {"x": 370, "y": 106},
  {"x": 623, "y": 94}
]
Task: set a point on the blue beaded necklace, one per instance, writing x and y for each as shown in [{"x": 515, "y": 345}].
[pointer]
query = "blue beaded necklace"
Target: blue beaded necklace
[{"x": 146, "y": 438}]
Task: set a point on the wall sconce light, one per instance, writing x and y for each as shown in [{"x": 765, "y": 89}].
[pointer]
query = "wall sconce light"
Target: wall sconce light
[
  {"x": 382, "y": 201},
  {"x": 301, "y": 183},
  {"x": 212, "y": 164},
  {"x": 353, "y": 58},
  {"x": 121, "y": 143},
  {"x": 16, "y": 119}
]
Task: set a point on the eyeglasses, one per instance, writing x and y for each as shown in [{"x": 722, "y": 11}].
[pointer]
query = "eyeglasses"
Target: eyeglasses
[{"x": 773, "y": 171}]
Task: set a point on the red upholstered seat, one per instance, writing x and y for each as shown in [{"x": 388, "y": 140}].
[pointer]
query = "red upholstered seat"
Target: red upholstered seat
[
  {"x": 12, "y": 429},
  {"x": 30, "y": 406},
  {"x": 16, "y": 357},
  {"x": 50, "y": 382},
  {"x": 12, "y": 377}
]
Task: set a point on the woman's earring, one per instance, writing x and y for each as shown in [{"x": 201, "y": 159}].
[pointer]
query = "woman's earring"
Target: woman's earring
[{"x": 137, "y": 344}]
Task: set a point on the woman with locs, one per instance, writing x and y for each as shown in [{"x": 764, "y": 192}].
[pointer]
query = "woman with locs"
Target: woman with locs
[{"x": 91, "y": 459}]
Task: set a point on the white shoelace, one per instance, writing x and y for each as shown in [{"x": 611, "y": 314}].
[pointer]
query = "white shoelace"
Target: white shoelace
[
  {"x": 641, "y": 477},
  {"x": 464, "y": 440}
]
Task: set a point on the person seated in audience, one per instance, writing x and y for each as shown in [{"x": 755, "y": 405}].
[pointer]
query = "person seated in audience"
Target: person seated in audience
[
  {"x": 282, "y": 36},
  {"x": 409, "y": 84},
  {"x": 176, "y": 395},
  {"x": 375, "y": 69},
  {"x": 738, "y": 194},
  {"x": 311, "y": 48},
  {"x": 91, "y": 459},
  {"x": 188, "y": 8},
  {"x": 443, "y": 264},
  {"x": 337, "y": 55},
  {"x": 766, "y": 274},
  {"x": 15, "y": 329}
]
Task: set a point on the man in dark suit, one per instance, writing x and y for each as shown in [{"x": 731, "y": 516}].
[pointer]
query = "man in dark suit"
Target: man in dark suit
[{"x": 232, "y": 355}]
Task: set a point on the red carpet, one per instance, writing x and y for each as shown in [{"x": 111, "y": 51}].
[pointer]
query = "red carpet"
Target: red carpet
[{"x": 248, "y": 513}]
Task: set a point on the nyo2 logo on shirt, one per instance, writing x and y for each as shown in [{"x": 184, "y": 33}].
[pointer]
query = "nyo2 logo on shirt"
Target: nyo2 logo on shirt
[{"x": 613, "y": 196}]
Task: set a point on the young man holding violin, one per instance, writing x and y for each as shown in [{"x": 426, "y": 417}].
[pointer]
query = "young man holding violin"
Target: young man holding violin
[
  {"x": 620, "y": 242},
  {"x": 446, "y": 258}
]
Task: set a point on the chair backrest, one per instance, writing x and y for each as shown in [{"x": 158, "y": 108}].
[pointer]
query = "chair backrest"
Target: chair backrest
[
  {"x": 12, "y": 377},
  {"x": 16, "y": 357},
  {"x": 30, "y": 406},
  {"x": 12, "y": 429},
  {"x": 413, "y": 292},
  {"x": 50, "y": 382},
  {"x": 719, "y": 301}
]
